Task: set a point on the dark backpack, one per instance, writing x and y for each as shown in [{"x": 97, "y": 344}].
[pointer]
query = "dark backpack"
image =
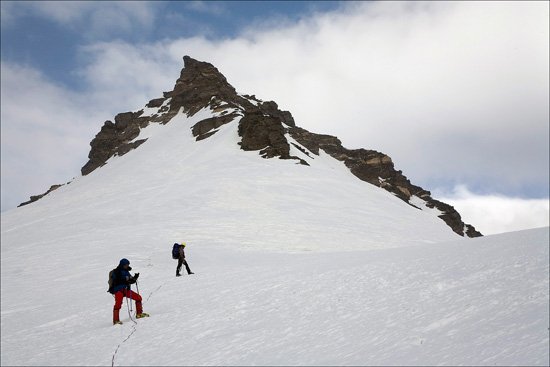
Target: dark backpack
[
  {"x": 112, "y": 276},
  {"x": 176, "y": 251}
]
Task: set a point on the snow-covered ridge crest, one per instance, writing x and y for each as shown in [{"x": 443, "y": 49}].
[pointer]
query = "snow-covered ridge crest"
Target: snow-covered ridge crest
[{"x": 262, "y": 127}]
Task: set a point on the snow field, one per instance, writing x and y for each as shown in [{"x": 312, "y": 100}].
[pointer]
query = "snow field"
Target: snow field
[
  {"x": 294, "y": 265},
  {"x": 473, "y": 302}
]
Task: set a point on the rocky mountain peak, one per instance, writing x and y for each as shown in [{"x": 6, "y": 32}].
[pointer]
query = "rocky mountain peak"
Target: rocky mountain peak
[
  {"x": 262, "y": 127},
  {"x": 198, "y": 83}
]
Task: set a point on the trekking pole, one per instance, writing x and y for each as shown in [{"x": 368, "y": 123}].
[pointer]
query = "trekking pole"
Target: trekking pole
[
  {"x": 127, "y": 305},
  {"x": 128, "y": 308},
  {"x": 128, "y": 296},
  {"x": 137, "y": 286}
]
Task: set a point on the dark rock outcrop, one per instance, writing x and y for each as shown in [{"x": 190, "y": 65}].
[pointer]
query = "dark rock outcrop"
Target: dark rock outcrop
[
  {"x": 38, "y": 197},
  {"x": 198, "y": 83},
  {"x": 264, "y": 133},
  {"x": 263, "y": 127},
  {"x": 205, "y": 128},
  {"x": 270, "y": 108},
  {"x": 115, "y": 139},
  {"x": 155, "y": 103}
]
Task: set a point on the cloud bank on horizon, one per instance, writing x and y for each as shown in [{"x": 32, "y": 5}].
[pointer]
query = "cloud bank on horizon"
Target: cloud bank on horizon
[{"x": 456, "y": 92}]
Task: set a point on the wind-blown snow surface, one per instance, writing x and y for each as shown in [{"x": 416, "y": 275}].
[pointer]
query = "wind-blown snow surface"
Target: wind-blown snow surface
[{"x": 295, "y": 265}]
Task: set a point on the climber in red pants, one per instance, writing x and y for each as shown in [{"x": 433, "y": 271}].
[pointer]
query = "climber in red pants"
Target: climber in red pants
[{"x": 119, "y": 285}]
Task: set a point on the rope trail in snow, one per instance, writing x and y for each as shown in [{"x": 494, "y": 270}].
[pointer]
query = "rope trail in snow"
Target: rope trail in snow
[
  {"x": 154, "y": 291},
  {"x": 134, "y": 329},
  {"x": 124, "y": 341}
]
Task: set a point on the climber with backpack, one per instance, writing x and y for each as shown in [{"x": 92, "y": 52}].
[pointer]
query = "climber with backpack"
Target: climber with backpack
[
  {"x": 120, "y": 281},
  {"x": 178, "y": 253}
]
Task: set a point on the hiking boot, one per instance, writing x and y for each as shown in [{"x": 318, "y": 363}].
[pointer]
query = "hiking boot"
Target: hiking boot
[
  {"x": 142, "y": 315},
  {"x": 117, "y": 322},
  {"x": 178, "y": 274},
  {"x": 190, "y": 273}
]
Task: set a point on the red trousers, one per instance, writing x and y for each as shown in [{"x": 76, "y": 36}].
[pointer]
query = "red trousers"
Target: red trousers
[{"x": 119, "y": 296}]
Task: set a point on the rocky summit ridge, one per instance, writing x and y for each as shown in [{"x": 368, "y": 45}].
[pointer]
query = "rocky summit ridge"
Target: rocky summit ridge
[{"x": 262, "y": 127}]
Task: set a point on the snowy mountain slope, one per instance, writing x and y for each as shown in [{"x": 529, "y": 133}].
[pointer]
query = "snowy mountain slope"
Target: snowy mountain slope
[
  {"x": 474, "y": 302},
  {"x": 273, "y": 284},
  {"x": 260, "y": 127},
  {"x": 297, "y": 260},
  {"x": 174, "y": 186}
]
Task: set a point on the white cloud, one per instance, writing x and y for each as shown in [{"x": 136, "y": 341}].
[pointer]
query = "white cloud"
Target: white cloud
[
  {"x": 46, "y": 132},
  {"x": 454, "y": 92},
  {"x": 497, "y": 214},
  {"x": 119, "y": 73}
]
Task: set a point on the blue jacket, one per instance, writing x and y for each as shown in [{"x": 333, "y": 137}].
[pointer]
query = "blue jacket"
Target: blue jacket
[{"x": 122, "y": 277}]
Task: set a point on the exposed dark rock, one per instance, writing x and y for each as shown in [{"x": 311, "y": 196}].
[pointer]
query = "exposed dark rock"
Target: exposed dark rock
[
  {"x": 204, "y": 127},
  {"x": 263, "y": 128},
  {"x": 126, "y": 147},
  {"x": 207, "y": 135},
  {"x": 302, "y": 150},
  {"x": 313, "y": 141},
  {"x": 155, "y": 103},
  {"x": 114, "y": 138},
  {"x": 270, "y": 108},
  {"x": 37, "y": 197},
  {"x": 472, "y": 232},
  {"x": 377, "y": 168},
  {"x": 198, "y": 82},
  {"x": 452, "y": 218},
  {"x": 164, "y": 115},
  {"x": 251, "y": 97},
  {"x": 263, "y": 133}
]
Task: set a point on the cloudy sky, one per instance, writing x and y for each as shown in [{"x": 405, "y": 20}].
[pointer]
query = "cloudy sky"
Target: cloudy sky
[{"x": 456, "y": 93}]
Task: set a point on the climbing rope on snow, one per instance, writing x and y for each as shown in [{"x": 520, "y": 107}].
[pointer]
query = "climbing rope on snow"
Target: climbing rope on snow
[
  {"x": 154, "y": 291},
  {"x": 129, "y": 308},
  {"x": 134, "y": 329},
  {"x": 124, "y": 341}
]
